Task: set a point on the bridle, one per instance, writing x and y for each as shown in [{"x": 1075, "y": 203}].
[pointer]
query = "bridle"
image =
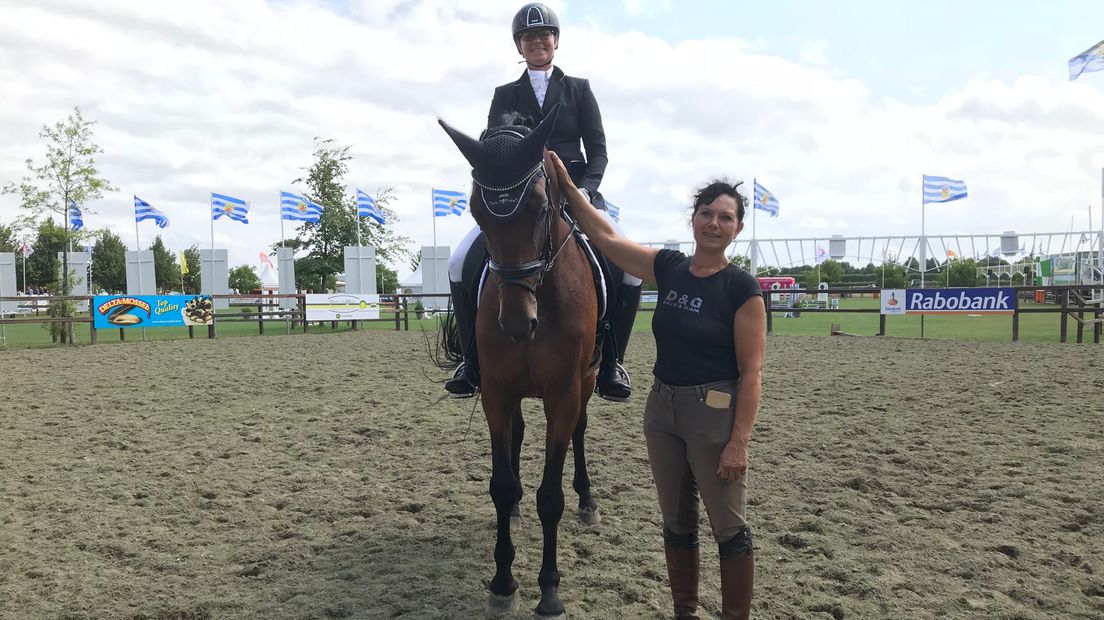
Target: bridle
[{"x": 530, "y": 275}]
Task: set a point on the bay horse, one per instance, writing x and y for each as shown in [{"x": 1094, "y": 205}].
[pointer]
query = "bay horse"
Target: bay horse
[{"x": 535, "y": 334}]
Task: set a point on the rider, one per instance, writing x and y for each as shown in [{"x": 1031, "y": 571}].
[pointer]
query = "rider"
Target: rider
[{"x": 536, "y": 32}]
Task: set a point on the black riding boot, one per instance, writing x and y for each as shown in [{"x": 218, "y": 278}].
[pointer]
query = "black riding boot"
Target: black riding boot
[
  {"x": 613, "y": 381},
  {"x": 465, "y": 381}
]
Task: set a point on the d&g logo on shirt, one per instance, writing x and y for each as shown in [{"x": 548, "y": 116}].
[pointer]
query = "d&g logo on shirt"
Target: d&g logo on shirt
[{"x": 682, "y": 302}]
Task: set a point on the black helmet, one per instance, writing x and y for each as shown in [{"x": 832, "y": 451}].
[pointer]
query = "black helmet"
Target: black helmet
[{"x": 535, "y": 16}]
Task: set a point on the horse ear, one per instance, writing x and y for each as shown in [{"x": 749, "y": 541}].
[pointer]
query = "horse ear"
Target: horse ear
[
  {"x": 471, "y": 148},
  {"x": 535, "y": 141}
]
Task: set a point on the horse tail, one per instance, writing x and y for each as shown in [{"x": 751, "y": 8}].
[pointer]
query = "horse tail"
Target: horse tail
[{"x": 449, "y": 351}]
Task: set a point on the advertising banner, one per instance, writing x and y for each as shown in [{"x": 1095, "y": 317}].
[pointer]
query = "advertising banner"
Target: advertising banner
[
  {"x": 949, "y": 301},
  {"x": 151, "y": 311},
  {"x": 342, "y": 307}
]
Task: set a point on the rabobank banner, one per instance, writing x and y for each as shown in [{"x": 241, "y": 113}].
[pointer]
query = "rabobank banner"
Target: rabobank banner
[
  {"x": 151, "y": 311},
  {"x": 949, "y": 301}
]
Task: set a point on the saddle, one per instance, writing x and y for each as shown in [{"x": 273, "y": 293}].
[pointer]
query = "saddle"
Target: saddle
[{"x": 475, "y": 271}]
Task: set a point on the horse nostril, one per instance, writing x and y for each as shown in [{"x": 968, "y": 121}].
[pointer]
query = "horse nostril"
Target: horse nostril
[{"x": 532, "y": 328}]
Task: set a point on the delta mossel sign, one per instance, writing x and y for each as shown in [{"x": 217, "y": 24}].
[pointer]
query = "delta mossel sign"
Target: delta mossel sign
[{"x": 949, "y": 301}]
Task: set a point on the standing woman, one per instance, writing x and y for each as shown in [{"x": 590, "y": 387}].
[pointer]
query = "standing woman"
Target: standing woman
[
  {"x": 710, "y": 332},
  {"x": 580, "y": 141}
]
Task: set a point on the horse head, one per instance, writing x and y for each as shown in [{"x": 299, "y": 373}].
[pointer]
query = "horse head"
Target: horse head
[{"x": 511, "y": 203}]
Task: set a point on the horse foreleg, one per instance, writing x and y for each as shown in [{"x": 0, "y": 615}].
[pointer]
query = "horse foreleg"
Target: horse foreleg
[
  {"x": 518, "y": 438},
  {"x": 562, "y": 417},
  {"x": 503, "y": 598},
  {"x": 588, "y": 507}
]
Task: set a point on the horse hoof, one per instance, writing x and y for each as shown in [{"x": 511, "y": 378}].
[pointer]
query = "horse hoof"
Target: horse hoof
[
  {"x": 589, "y": 516},
  {"x": 515, "y": 524},
  {"x": 557, "y": 613},
  {"x": 499, "y": 606}
]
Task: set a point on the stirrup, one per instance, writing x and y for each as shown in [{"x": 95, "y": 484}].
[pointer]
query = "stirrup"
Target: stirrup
[
  {"x": 614, "y": 384},
  {"x": 461, "y": 385}
]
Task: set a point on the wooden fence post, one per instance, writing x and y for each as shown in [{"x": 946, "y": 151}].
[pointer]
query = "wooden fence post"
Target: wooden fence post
[
  {"x": 1016, "y": 324},
  {"x": 881, "y": 324},
  {"x": 260, "y": 318},
  {"x": 1065, "y": 316},
  {"x": 770, "y": 315}
]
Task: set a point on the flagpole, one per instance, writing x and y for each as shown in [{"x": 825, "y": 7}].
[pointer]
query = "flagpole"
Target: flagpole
[
  {"x": 434, "y": 215},
  {"x": 923, "y": 246},
  {"x": 211, "y": 258},
  {"x": 280, "y": 201},
  {"x": 356, "y": 215},
  {"x": 138, "y": 257},
  {"x": 754, "y": 242}
]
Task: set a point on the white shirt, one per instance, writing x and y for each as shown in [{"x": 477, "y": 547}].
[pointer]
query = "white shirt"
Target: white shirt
[{"x": 539, "y": 80}]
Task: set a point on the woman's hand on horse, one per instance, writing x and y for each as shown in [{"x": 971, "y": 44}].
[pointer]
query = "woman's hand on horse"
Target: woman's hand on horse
[
  {"x": 557, "y": 171},
  {"x": 734, "y": 460}
]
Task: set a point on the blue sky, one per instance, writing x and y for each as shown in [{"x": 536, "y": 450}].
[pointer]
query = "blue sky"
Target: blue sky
[{"x": 911, "y": 51}]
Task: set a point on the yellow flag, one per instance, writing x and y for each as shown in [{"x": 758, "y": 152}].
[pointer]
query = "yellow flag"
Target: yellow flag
[{"x": 183, "y": 264}]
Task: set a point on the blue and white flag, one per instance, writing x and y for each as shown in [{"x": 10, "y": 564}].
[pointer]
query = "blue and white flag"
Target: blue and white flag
[
  {"x": 299, "y": 208},
  {"x": 76, "y": 218},
  {"x": 366, "y": 207},
  {"x": 765, "y": 201},
  {"x": 234, "y": 208},
  {"x": 821, "y": 254},
  {"x": 1091, "y": 59},
  {"x": 447, "y": 201},
  {"x": 942, "y": 189},
  {"x": 614, "y": 211},
  {"x": 143, "y": 211}
]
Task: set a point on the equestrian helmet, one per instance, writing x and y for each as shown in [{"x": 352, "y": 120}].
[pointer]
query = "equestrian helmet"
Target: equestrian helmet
[{"x": 535, "y": 16}]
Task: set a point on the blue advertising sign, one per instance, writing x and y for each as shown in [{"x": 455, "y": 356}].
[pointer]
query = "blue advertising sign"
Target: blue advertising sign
[
  {"x": 949, "y": 301},
  {"x": 124, "y": 311}
]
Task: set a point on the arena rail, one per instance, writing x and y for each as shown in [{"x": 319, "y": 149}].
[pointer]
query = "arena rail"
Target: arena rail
[{"x": 1071, "y": 301}]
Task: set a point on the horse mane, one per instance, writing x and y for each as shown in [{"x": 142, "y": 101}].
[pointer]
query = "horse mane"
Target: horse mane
[{"x": 515, "y": 119}]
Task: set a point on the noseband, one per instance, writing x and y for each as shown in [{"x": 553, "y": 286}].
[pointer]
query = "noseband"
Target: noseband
[{"x": 528, "y": 275}]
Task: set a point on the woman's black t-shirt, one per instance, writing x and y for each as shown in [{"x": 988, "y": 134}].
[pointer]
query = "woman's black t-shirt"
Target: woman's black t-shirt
[{"x": 693, "y": 320}]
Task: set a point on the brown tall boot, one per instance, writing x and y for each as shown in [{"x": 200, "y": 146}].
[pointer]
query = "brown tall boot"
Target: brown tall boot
[
  {"x": 682, "y": 570},
  {"x": 737, "y": 576}
]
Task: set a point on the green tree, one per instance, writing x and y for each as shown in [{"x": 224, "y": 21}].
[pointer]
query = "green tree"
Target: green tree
[
  {"x": 831, "y": 271},
  {"x": 191, "y": 279},
  {"x": 387, "y": 280},
  {"x": 166, "y": 271},
  {"x": 810, "y": 281},
  {"x": 69, "y": 176},
  {"x": 43, "y": 265},
  {"x": 963, "y": 273},
  {"x": 109, "y": 262},
  {"x": 743, "y": 262},
  {"x": 894, "y": 276},
  {"x": 8, "y": 242},
  {"x": 324, "y": 241},
  {"x": 244, "y": 279}
]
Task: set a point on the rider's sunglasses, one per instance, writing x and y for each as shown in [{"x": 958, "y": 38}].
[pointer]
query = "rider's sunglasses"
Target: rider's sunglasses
[{"x": 533, "y": 36}]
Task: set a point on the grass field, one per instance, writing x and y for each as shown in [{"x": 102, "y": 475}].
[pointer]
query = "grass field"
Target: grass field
[{"x": 1033, "y": 327}]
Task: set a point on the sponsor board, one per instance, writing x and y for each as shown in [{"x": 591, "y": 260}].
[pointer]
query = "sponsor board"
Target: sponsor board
[
  {"x": 112, "y": 311},
  {"x": 949, "y": 301},
  {"x": 893, "y": 301},
  {"x": 342, "y": 307}
]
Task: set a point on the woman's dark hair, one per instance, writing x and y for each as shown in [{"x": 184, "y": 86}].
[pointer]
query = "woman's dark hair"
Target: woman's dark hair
[{"x": 715, "y": 189}]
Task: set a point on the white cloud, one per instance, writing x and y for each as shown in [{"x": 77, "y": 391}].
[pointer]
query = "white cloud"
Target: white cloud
[{"x": 215, "y": 96}]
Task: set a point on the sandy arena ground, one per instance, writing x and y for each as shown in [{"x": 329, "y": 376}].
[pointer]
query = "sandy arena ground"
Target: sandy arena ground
[{"x": 316, "y": 477}]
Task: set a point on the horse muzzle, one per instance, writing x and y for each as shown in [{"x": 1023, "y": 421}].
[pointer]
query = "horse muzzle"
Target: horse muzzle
[{"x": 519, "y": 327}]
